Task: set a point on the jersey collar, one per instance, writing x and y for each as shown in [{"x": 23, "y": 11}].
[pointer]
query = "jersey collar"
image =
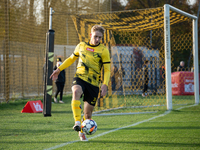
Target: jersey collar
[{"x": 88, "y": 43}]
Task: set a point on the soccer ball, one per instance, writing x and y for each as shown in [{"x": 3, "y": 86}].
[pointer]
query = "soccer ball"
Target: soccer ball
[{"x": 89, "y": 126}]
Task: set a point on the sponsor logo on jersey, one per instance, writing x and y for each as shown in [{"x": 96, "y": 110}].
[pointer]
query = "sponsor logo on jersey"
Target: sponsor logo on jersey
[{"x": 90, "y": 49}]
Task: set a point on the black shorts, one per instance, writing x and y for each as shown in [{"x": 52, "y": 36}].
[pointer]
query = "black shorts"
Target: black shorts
[{"x": 90, "y": 92}]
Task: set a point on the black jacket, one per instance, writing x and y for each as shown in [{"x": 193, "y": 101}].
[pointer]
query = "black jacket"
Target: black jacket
[
  {"x": 61, "y": 76},
  {"x": 180, "y": 68}
]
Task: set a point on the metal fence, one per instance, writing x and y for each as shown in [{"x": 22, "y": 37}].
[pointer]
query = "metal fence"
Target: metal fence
[{"x": 23, "y": 27}]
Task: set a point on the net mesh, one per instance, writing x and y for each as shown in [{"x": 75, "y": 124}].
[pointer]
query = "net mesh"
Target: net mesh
[
  {"x": 24, "y": 25},
  {"x": 131, "y": 37}
]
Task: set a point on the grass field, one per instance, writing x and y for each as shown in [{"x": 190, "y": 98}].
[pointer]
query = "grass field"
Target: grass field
[
  {"x": 177, "y": 129},
  {"x": 137, "y": 103}
]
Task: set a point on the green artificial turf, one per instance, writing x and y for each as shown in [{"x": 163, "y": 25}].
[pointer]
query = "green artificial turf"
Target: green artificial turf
[{"x": 179, "y": 129}]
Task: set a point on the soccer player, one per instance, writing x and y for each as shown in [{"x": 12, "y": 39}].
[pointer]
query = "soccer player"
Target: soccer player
[{"x": 92, "y": 57}]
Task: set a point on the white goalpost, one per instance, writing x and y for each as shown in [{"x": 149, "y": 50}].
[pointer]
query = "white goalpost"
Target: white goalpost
[{"x": 167, "y": 47}]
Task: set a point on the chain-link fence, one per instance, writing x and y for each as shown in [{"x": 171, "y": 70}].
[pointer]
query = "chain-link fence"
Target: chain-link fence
[
  {"x": 132, "y": 37},
  {"x": 23, "y": 27}
]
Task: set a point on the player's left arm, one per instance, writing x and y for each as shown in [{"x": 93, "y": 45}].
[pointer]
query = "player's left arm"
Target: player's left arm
[{"x": 106, "y": 65}]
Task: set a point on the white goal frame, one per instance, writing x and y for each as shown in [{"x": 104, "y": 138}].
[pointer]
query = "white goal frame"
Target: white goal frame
[{"x": 167, "y": 9}]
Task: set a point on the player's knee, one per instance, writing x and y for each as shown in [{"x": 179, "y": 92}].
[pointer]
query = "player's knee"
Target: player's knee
[{"x": 77, "y": 92}]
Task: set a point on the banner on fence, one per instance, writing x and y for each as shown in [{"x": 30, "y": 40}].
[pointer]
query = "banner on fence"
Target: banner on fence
[{"x": 182, "y": 83}]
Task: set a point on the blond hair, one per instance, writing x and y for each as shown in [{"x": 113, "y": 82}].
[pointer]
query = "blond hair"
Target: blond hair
[{"x": 98, "y": 28}]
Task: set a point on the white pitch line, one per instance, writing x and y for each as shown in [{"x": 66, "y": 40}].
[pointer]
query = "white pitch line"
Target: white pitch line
[
  {"x": 130, "y": 113},
  {"x": 186, "y": 107},
  {"x": 104, "y": 133}
]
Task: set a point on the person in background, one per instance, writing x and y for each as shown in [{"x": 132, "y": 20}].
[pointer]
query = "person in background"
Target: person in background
[
  {"x": 181, "y": 66},
  {"x": 92, "y": 57},
  {"x": 114, "y": 77},
  {"x": 145, "y": 78},
  {"x": 60, "y": 82}
]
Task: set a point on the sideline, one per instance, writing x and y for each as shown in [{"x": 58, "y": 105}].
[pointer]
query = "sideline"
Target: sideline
[{"x": 104, "y": 133}]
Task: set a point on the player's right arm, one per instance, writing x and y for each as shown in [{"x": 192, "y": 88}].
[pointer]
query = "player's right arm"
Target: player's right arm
[
  {"x": 71, "y": 59},
  {"x": 66, "y": 63}
]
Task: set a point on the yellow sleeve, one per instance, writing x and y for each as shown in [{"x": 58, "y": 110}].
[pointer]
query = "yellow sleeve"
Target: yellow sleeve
[
  {"x": 106, "y": 73},
  {"x": 71, "y": 59},
  {"x": 106, "y": 65}
]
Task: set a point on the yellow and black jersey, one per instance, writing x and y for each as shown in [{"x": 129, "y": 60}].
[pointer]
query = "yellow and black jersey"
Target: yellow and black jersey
[{"x": 91, "y": 60}]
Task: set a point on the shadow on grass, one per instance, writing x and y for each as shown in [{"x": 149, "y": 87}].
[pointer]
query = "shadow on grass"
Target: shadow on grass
[
  {"x": 8, "y": 132},
  {"x": 19, "y": 104},
  {"x": 165, "y": 128},
  {"x": 153, "y": 128},
  {"x": 66, "y": 112},
  {"x": 148, "y": 143}
]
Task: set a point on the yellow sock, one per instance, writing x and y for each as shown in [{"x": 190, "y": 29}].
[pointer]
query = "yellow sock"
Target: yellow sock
[
  {"x": 81, "y": 130},
  {"x": 83, "y": 118},
  {"x": 76, "y": 109},
  {"x": 82, "y": 121}
]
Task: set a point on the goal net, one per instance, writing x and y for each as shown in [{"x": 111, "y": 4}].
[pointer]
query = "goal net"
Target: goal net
[{"x": 164, "y": 36}]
